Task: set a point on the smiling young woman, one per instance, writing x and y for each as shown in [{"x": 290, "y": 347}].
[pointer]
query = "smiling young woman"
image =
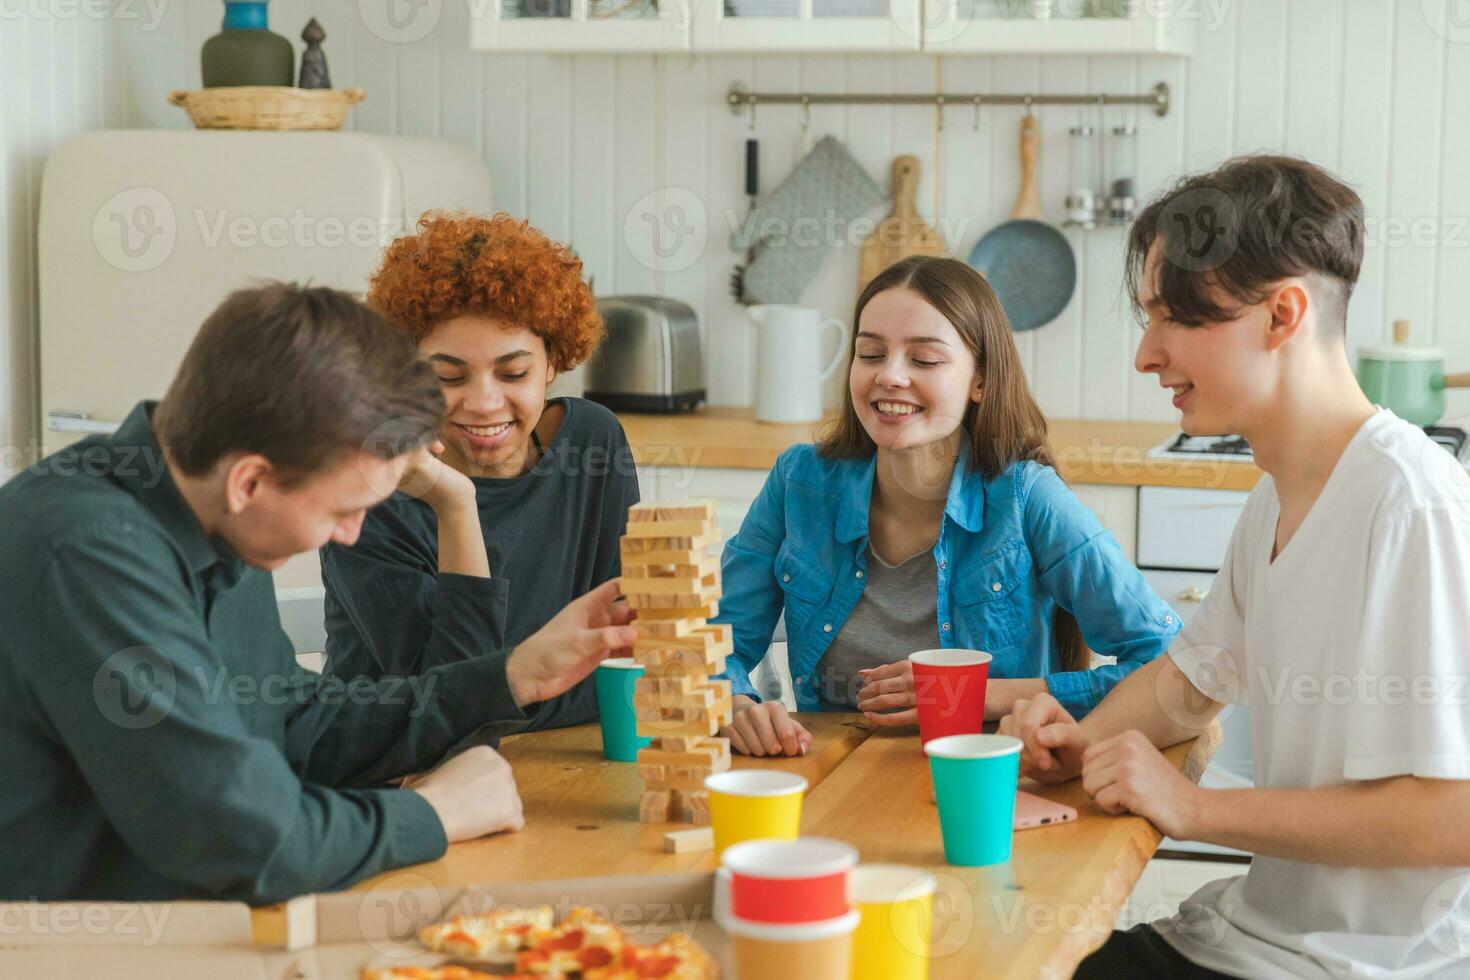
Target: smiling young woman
[
  {"x": 518, "y": 507},
  {"x": 929, "y": 516}
]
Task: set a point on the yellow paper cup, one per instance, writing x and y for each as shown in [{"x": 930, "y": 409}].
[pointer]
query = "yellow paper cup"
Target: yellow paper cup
[
  {"x": 753, "y": 804},
  {"x": 896, "y": 907}
]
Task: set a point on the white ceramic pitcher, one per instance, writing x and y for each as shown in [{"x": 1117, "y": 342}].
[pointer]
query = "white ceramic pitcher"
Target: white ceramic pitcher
[{"x": 789, "y": 368}]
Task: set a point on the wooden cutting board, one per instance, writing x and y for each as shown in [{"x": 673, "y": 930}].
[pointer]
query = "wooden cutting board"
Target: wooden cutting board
[{"x": 903, "y": 232}]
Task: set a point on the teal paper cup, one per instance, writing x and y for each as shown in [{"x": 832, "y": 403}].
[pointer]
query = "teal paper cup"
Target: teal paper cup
[
  {"x": 975, "y": 786},
  {"x": 615, "y": 679}
]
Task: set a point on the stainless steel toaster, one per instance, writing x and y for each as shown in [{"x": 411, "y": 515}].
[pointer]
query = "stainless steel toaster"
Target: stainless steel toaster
[{"x": 650, "y": 359}]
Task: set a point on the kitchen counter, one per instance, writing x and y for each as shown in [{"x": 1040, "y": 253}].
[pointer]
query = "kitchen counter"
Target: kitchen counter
[{"x": 1087, "y": 451}]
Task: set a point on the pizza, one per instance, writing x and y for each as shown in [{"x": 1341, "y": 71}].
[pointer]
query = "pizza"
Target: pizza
[
  {"x": 427, "y": 973},
  {"x": 494, "y": 938},
  {"x": 584, "y": 946}
]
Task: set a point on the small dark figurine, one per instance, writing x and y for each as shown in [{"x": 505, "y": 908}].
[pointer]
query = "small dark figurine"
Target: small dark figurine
[{"x": 313, "y": 59}]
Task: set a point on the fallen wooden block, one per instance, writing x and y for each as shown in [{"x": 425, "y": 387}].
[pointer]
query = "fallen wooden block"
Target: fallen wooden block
[{"x": 689, "y": 841}]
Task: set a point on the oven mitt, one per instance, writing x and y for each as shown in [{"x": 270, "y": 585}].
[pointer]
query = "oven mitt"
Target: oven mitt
[{"x": 830, "y": 189}]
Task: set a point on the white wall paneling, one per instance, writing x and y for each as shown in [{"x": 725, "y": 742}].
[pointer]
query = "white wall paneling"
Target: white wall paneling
[{"x": 575, "y": 143}]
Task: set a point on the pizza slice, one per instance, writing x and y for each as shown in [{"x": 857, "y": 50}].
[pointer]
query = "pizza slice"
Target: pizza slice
[
  {"x": 432, "y": 973},
  {"x": 494, "y": 938}
]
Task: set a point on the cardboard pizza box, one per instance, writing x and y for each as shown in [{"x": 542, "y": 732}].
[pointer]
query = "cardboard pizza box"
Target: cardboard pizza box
[{"x": 329, "y": 937}]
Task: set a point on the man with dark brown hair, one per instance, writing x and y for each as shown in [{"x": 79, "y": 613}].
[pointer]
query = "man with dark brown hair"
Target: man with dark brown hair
[
  {"x": 160, "y": 740},
  {"x": 1339, "y": 616}
]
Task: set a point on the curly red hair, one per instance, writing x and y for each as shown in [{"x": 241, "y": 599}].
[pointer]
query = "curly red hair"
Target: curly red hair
[{"x": 501, "y": 267}]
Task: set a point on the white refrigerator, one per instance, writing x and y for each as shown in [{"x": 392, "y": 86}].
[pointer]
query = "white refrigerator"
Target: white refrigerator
[{"x": 143, "y": 232}]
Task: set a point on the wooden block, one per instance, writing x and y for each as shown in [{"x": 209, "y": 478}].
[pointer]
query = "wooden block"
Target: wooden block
[
  {"x": 695, "y": 584},
  {"x": 682, "y": 510},
  {"x": 690, "y": 807},
  {"x": 710, "y": 755},
  {"x": 702, "y": 727},
  {"x": 670, "y": 529},
  {"x": 686, "y": 602},
  {"x": 696, "y": 543},
  {"x": 669, "y": 663},
  {"x": 653, "y": 615},
  {"x": 689, "y": 841},
  {"x": 714, "y": 638},
  {"x": 654, "y": 776},
  {"x": 637, "y": 567},
  {"x": 655, "y": 806},
  {"x": 682, "y": 743},
  {"x": 688, "y": 706},
  {"x": 699, "y": 809},
  {"x": 672, "y": 686}
]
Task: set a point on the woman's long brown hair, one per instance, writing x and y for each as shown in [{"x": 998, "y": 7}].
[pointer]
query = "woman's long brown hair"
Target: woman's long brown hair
[{"x": 1005, "y": 427}]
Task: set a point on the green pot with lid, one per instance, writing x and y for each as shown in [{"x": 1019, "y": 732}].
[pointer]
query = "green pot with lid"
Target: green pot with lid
[{"x": 1408, "y": 381}]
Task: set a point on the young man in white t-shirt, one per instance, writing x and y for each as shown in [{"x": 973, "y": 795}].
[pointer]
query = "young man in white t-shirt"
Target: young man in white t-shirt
[{"x": 1341, "y": 615}]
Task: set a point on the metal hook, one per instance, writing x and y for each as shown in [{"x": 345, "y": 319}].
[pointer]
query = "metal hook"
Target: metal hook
[
  {"x": 806, "y": 113},
  {"x": 752, "y": 114},
  {"x": 1028, "y": 106},
  {"x": 939, "y": 111},
  {"x": 978, "y": 100}
]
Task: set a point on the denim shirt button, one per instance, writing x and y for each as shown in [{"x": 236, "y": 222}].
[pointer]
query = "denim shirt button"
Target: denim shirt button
[
  {"x": 827, "y": 628},
  {"x": 786, "y": 578},
  {"x": 945, "y": 627},
  {"x": 1168, "y": 620},
  {"x": 994, "y": 586},
  {"x": 943, "y": 563},
  {"x": 858, "y": 574}
]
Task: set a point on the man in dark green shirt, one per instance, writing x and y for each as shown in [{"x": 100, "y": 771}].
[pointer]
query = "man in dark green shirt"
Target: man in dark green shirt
[{"x": 160, "y": 740}]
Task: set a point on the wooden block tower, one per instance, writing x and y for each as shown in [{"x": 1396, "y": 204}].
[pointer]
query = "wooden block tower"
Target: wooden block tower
[{"x": 674, "y": 584}]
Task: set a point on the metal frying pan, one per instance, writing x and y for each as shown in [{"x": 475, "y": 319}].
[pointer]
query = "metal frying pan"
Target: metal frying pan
[{"x": 1028, "y": 263}]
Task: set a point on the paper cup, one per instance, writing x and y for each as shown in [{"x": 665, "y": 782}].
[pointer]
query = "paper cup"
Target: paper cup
[
  {"x": 751, "y": 804},
  {"x": 783, "y": 882},
  {"x": 949, "y": 691},
  {"x": 895, "y": 903},
  {"x": 809, "y": 950},
  {"x": 614, "y": 680},
  {"x": 975, "y": 786}
]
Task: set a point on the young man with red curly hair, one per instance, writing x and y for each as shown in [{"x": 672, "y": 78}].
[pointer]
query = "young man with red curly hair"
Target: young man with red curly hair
[{"x": 520, "y": 506}]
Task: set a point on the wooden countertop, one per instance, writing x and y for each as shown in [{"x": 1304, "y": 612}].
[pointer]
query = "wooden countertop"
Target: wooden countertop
[
  {"x": 1099, "y": 452},
  {"x": 1036, "y": 916}
]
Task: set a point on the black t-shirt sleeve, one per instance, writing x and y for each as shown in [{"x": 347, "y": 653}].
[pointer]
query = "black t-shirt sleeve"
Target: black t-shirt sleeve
[{"x": 390, "y": 612}]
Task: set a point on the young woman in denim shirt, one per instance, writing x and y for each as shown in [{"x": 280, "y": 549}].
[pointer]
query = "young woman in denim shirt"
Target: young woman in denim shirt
[{"x": 929, "y": 515}]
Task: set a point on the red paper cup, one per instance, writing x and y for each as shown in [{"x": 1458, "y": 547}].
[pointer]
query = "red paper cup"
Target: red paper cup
[
  {"x": 949, "y": 689},
  {"x": 784, "y": 882}
]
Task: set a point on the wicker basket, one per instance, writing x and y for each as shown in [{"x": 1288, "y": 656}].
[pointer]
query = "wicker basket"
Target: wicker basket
[{"x": 267, "y": 107}]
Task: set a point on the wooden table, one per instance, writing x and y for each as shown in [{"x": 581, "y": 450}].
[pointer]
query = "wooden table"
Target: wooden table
[
  {"x": 582, "y": 815},
  {"x": 1037, "y": 916}
]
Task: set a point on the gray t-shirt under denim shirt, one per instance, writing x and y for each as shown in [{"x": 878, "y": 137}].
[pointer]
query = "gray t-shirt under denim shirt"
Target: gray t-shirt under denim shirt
[{"x": 897, "y": 614}]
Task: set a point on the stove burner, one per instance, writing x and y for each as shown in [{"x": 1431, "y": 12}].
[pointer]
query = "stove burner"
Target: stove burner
[{"x": 1452, "y": 438}]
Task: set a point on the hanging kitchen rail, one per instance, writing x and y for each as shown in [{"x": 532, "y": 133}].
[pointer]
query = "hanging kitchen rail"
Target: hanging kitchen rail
[{"x": 741, "y": 98}]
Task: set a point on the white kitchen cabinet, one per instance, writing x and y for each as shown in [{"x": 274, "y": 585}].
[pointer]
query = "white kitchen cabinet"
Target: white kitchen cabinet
[
  {"x": 789, "y": 26},
  {"x": 603, "y": 26},
  {"x": 950, "y": 29},
  {"x": 1116, "y": 509},
  {"x": 770, "y": 26}
]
